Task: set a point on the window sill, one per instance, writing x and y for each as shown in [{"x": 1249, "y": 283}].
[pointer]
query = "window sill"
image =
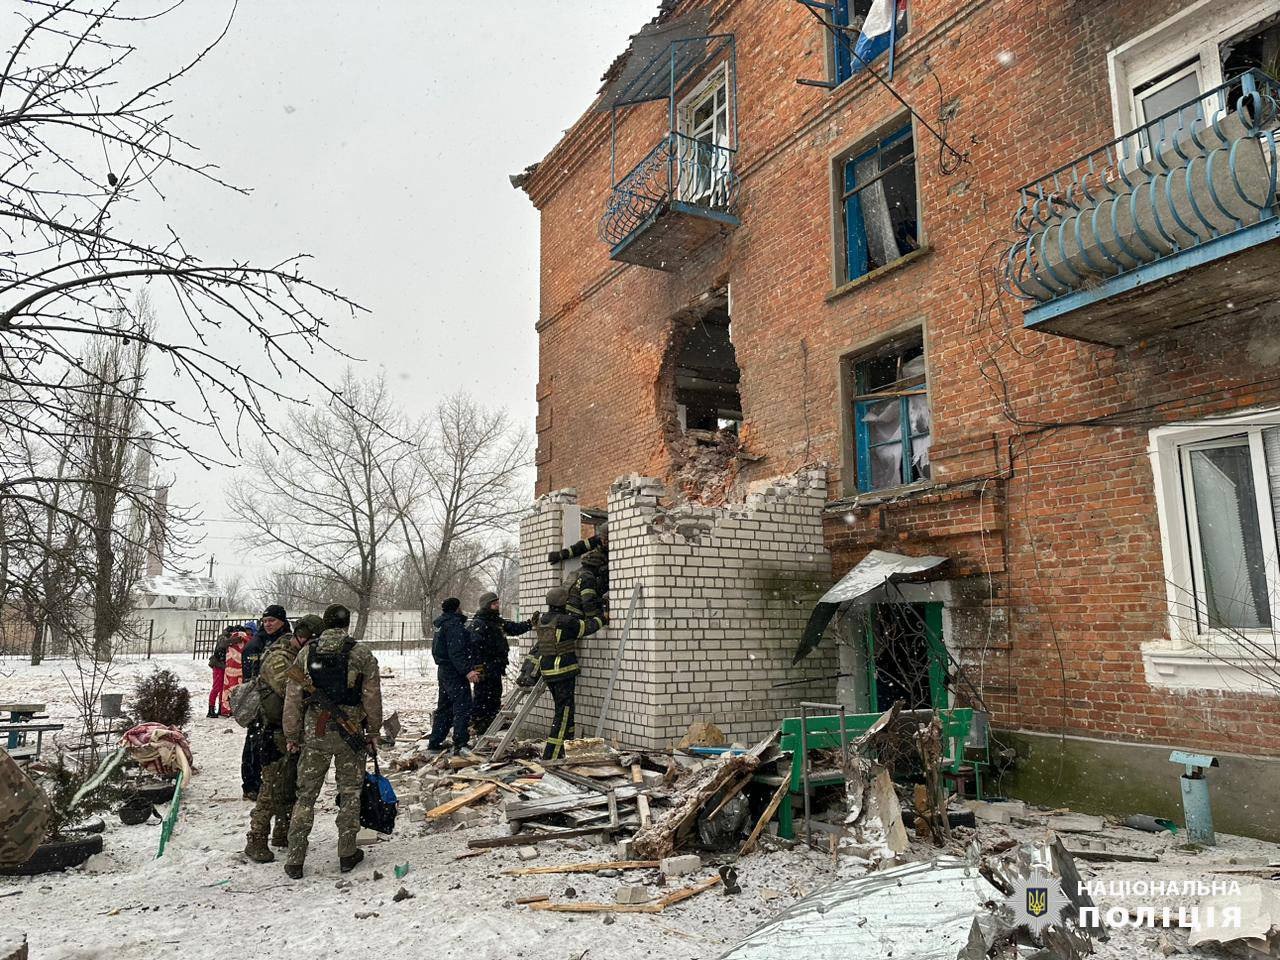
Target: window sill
[
  {"x": 1214, "y": 665},
  {"x": 874, "y": 498},
  {"x": 877, "y": 273}
]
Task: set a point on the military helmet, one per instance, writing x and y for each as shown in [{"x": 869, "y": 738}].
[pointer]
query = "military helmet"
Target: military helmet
[
  {"x": 311, "y": 626},
  {"x": 336, "y": 616},
  {"x": 486, "y": 598},
  {"x": 594, "y": 558},
  {"x": 557, "y": 597}
]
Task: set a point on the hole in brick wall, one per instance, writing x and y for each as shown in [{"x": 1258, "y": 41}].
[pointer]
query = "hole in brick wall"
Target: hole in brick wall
[{"x": 700, "y": 402}]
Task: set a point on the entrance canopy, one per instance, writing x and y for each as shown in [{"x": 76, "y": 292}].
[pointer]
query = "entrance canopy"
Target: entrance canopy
[{"x": 876, "y": 569}]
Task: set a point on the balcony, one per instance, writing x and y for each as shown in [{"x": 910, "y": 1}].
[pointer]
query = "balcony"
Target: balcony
[
  {"x": 1169, "y": 225},
  {"x": 684, "y": 191},
  {"x": 682, "y": 194}
]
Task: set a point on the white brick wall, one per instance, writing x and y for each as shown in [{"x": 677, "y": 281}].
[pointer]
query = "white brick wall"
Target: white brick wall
[{"x": 726, "y": 593}]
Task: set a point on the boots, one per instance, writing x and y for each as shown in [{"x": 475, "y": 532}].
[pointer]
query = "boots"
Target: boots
[
  {"x": 293, "y": 871},
  {"x": 347, "y": 864},
  {"x": 212, "y": 712},
  {"x": 280, "y": 833},
  {"x": 256, "y": 849}
]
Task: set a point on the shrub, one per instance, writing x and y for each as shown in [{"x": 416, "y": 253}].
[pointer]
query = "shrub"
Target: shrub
[
  {"x": 160, "y": 698},
  {"x": 61, "y": 781}
]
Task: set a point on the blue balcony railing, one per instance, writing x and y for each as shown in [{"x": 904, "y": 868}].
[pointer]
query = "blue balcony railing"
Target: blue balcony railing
[
  {"x": 681, "y": 173},
  {"x": 1190, "y": 186}
]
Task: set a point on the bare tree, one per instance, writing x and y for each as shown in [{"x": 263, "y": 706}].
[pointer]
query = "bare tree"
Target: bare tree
[
  {"x": 333, "y": 511},
  {"x": 472, "y": 464},
  {"x": 81, "y": 142},
  {"x": 235, "y": 596}
]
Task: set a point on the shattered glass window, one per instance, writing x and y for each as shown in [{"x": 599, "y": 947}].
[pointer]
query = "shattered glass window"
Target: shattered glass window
[
  {"x": 892, "y": 424},
  {"x": 1232, "y": 488}
]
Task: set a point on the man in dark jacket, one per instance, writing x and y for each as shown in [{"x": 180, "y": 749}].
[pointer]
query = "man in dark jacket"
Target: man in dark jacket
[
  {"x": 456, "y": 670},
  {"x": 556, "y": 651},
  {"x": 489, "y": 632},
  {"x": 273, "y": 625}
]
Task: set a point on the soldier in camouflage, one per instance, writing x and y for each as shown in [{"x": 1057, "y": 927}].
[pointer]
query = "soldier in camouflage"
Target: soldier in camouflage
[
  {"x": 347, "y": 672},
  {"x": 279, "y": 767}
]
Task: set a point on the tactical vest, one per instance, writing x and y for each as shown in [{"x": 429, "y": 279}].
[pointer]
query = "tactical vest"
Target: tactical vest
[
  {"x": 328, "y": 671},
  {"x": 551, "y": 643}
]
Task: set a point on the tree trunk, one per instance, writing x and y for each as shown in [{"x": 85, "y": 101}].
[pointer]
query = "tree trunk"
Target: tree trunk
[{"x": 37, "y": 643}]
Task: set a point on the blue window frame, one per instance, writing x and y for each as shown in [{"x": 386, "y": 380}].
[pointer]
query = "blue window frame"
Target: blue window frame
[
  {"x": 892, "y": 423},
  {"x": 851, "y": 14},
  {"x": 878, "y": 206}
]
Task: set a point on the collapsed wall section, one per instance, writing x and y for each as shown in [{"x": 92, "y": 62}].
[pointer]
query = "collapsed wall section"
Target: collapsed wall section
[{"x": 725, "y": 593}]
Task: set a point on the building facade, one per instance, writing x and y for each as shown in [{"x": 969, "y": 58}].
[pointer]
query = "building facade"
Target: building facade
[{"x": 1020, "y": 304}]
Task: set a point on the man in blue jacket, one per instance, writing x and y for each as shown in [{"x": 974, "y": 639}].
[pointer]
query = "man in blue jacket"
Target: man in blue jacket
[{"x": 455, "y": 672}]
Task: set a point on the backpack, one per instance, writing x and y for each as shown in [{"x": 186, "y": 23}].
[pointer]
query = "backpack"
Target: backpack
[
  {"x": 246, "y": 700},
  {"x": 328, "y": 671},
  {"x": 378, "y": 802}
]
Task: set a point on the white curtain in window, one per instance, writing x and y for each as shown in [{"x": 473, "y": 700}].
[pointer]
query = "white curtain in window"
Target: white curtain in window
[
  {"x": 882, "y": 248},
  {"x": 1230, "y": 541},
  {"x": 883, "y": 420}
]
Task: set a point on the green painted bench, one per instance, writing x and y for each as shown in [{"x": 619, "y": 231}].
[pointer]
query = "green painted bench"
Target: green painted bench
[{"x": 823, "y": 733}]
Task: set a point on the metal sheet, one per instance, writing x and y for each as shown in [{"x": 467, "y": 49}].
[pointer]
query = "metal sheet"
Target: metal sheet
[
  {"x": 624, "y": 82},
  {"x": 875, "y": 570},
  {"x": 931, "y": 910}
]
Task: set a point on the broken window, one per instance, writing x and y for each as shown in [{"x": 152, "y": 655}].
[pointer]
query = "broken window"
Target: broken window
[
  {"x": 891, "y": 417},
  {"x": 852, "y": 14},
  {"x": 1232, "y": 491},
  {"x": 878, "y": 207},
  {"x": 707, "y": 377},
  {"x": 704, "y": 153}
]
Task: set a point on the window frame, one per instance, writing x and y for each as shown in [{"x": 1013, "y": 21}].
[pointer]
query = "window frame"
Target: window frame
[
  {"x": 843, "y": 69},
  {"x": 717, "y": 79},
  {"x": 854, "y": 399},
  {"x": 1169, "y": 450},
  {"x": 1194, "y": 34},
  {"x": 888, "y": 136}
]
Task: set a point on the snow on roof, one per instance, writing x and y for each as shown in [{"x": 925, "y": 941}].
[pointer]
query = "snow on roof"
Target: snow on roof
[{"x": 180, "y": 585}]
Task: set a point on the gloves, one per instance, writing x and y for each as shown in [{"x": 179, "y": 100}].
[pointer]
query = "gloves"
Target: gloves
[{"x": 528, "y": 673}]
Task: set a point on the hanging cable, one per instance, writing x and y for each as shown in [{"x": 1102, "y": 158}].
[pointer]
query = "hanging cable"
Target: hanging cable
[{"x": 837, "y": 32}]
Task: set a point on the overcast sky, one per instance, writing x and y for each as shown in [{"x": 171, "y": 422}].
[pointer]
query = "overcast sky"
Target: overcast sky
[{"x": 378, "y": 137}]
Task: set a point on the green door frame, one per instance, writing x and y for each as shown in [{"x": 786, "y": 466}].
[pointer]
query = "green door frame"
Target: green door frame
[{"x": 937, "y": 658}]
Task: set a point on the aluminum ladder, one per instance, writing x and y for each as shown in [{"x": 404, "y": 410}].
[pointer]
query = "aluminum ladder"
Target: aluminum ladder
[{"x": 517, "y": 706}]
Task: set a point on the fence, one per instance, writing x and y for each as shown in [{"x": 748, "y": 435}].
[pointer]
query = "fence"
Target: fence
[{"x": 133, "y": 643}]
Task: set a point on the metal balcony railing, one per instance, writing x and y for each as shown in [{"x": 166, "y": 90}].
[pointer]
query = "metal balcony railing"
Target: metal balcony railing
[
  {"x": 679, "y": 172},
  {"x": 1203, "y": 171}
]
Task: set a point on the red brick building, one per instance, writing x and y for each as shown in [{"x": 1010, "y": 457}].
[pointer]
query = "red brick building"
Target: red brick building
[{"x": 1022, "y": 302}]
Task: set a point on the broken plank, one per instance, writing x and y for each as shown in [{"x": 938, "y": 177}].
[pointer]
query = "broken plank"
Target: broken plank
[
  {"x": 532, "y": 837},
  {"x": 481, "y": 778},
  {"x": 468, "y": 854},
  {"x": 642, "y": 802},
  {"x": 585, "y": 867},
  {"x": 656, "y": 907},
  {"x": 457, "y": 803},
  {"x": 528, "y": 809},
  {"x": 536, "y": 898},
  {"x": 533, "y": 767},
  {"x": 1112, "y": 856},
  {"x": 769, "y": 811},
  {"x": 685, "y": 893}
]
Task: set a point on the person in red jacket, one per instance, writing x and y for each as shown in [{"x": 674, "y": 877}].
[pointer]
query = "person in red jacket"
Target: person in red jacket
[{"x": 218, "y": 663}]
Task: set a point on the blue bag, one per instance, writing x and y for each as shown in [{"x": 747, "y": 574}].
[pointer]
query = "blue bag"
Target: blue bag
[{"x": 378, "y": 802}]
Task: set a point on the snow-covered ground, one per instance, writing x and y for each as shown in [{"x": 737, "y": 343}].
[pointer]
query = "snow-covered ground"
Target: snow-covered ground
[{"x": 203, "y": 901}]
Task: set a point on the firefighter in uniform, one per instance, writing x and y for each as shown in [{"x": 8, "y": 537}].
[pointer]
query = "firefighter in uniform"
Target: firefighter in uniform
[{"x": 556, "y": 655}]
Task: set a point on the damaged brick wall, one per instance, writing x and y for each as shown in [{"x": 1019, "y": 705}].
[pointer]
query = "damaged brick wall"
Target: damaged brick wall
[{"x": 726, "y": 593}]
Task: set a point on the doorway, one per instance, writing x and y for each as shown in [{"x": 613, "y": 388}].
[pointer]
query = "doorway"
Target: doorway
[{"x": 905, "y": 656}]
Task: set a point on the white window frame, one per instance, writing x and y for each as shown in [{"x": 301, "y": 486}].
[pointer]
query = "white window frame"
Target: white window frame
[
  {"x": 1196, "y": 33},
  {"x": 1194, "y": 656},
  {"x": 716, "y": 80}
]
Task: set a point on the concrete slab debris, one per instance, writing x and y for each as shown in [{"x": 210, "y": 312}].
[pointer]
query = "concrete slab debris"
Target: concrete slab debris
[
  {"x": 632, "y": 893},
  {"x": 527, "y": 853},
  {"x": 679, "y": 866},
  {"x": 1076, "y": 823}
]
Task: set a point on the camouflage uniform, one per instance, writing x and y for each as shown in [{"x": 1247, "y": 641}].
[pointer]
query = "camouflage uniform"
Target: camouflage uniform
[
  {"x": 278, "y": 792},
  {"x": 307, "y": 724}
]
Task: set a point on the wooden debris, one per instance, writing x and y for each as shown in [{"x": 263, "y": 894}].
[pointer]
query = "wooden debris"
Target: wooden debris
[
  {"x": 729, "y": 794},
  {"x": 585, "y": 867},
  {"x": 656, "y": 907},
  {"x": 468, "y": 854},
  {"x": 457, "y": 803},
  {"x": 531, "y": 837},
  {"x": 484, "y": 778},
  {"x": 536, "y": 898},
  {"x": 1112, "y": 856},
  {"x": 769, "y": 811},
  {"x": 531, "y": 809},
  {"x": 642, "y": 802},
  {"x": 661, "y": 838}
]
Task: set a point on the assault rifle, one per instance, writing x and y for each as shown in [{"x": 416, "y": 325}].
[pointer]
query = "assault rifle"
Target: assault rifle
[{"x": 348, "y": 729}]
